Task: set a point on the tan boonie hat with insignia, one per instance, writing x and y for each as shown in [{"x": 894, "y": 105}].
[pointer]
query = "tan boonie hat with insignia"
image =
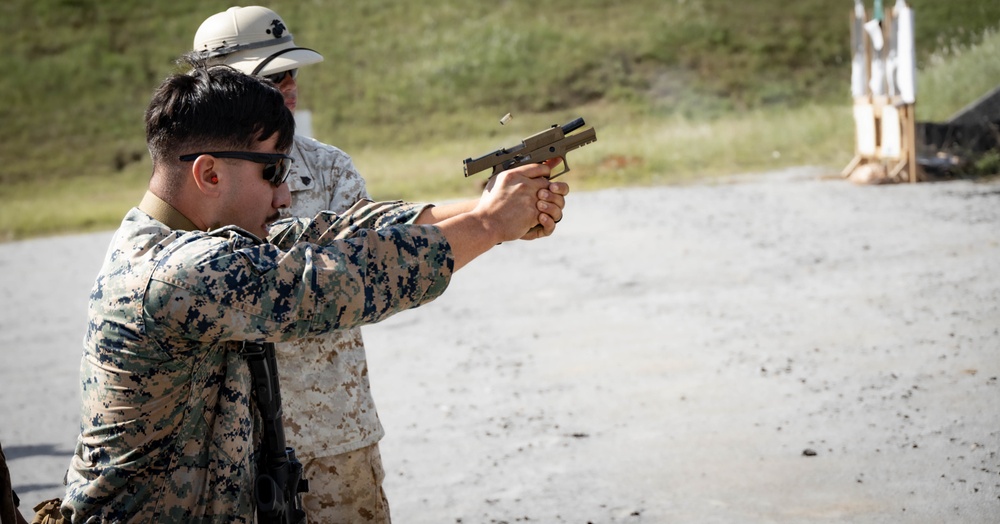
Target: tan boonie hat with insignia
[{"x": 252, "y": 39}]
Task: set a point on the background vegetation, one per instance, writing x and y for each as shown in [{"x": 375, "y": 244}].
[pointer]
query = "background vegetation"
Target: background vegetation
[{"x": 678, "y": 89}]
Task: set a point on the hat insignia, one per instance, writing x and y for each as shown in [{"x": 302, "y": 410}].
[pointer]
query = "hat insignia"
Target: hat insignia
[{"x": 278, "y": 28}]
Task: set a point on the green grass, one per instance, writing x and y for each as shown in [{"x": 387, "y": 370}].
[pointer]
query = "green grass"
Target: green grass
[
  {"x": 677, "y": 90},
  {"x": 955, "y": 72},
  {"x": 635, "y": 150},
  {"x": 56, "y": 206}
]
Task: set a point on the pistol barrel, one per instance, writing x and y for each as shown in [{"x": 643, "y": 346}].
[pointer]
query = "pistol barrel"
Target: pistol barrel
[{"x": 572, "y": 126}]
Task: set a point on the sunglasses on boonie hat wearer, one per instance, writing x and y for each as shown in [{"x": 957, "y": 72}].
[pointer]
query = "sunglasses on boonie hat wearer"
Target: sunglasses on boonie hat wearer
[{"x": 278, "y": 78}]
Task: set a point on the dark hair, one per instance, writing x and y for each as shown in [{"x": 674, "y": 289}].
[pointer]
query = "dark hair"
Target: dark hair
[{"x": 215, "y": 108}]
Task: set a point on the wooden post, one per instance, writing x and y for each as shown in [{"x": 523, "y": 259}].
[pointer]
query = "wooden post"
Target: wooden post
[{"x": 885, "y": 124}]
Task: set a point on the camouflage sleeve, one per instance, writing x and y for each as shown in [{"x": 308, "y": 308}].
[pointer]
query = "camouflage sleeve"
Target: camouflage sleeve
[
  {"x": 327, "y": 226},
  {"x": 348, "y": 275}
]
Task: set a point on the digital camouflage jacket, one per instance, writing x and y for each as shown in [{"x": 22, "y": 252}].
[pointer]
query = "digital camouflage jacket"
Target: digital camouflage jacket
[
  {"x": 166, "y": 417},
  {"x": 326, "y": 395}
]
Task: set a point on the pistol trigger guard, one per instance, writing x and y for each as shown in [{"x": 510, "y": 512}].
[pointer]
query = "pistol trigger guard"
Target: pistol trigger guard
[{"x": 565, "y": 170}]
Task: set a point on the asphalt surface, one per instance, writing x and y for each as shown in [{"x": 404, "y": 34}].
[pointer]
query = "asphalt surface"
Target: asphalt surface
[{"x": 779, "y": 348}]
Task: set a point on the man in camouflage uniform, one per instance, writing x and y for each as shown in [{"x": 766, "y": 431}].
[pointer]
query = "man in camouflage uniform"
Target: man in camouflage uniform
[
  {"x": 167, "y": 424},
  {"x": 330, "y": 414}
]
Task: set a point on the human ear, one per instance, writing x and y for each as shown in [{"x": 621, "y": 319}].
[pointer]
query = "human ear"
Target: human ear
[{"x": 204, "y": 171}]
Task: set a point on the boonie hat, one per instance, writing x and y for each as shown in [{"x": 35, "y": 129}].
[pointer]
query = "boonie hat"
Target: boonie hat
[{"x": 252, "y": 39}]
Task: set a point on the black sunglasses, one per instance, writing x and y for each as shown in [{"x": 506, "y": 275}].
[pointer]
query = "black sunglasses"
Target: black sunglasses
[
  {"x": 278, "y": 78},
  {"x": 276, "y": 165}
]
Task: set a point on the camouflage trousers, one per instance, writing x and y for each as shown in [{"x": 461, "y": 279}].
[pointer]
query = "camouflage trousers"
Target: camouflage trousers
[{"x": 346, "y": 488}]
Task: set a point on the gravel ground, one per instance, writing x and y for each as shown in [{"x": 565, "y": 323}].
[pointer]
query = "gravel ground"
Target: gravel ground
[{"x": 777, "y": 348}]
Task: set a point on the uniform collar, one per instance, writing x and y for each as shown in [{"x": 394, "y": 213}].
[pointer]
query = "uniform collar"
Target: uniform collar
[{"x": 157, "y": 208}]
